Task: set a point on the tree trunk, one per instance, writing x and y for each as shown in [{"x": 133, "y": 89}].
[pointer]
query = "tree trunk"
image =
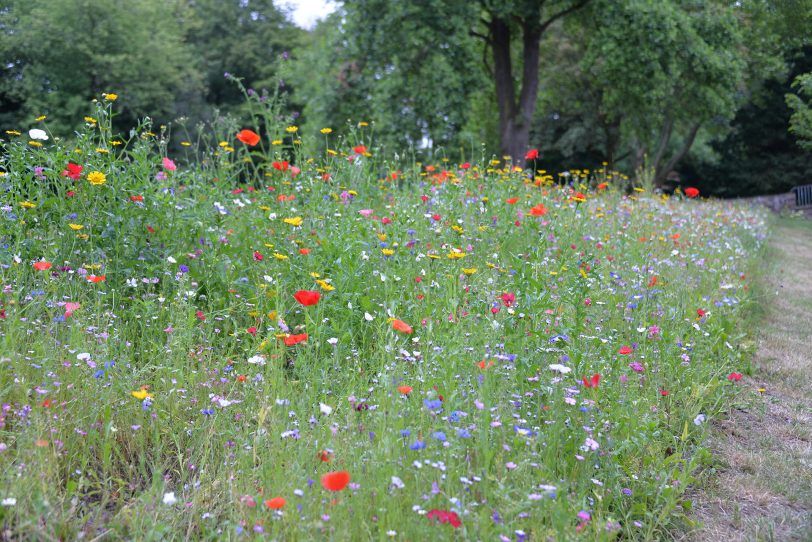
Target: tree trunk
[
  {"x": 516, "y": 113},
  {"x": 663, "y": 172}
]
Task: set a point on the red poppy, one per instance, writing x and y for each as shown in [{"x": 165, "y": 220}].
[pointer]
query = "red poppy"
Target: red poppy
[
  {"x": 625, "y": 350},
  {"x": 508, "y": 299},
  {"x": 405, "y": 390},
  {"x": 511, "y": 201},
  {"x": 734, "y": 377},
  {"x": 466, "y": 165},
  {"x": 325, "y": 456},
  {"x": 592, "y": 382},
  {"x": 95, "y": 279},
  {"x": 538, "y": 210},
  {"x": 305, "y": 251},
  {"x": 445, "y": 516},
  {"x": 700, "y": 312},
  {"x": 307, "y": 297},
  {"x": 691, "y": 192},
  {"x": 42, "y": 266},
  {"x": 249, "y": 137},
  {"x": 664, "y": 393},
  {"x": 291, "y": 340},
  {"x": 400, "y": 325},
  {"x": 276, "y": 503},
  {"x": 360, "y": 149},
  {"x": 531, "y": 154},
  {"x": 73, "y": 171},
  {"x": 485, "y": 364},
  {"x": 136, "y": 198},
  {"x": 258, "y": 256},
  {"x": 652, "y": 281},
  {"x": 335, "y": 481},
  {"x": 252, "y": 330},
  {"x": 281, "y": 166},
  {"x": 200, "y": 316},
  {"x": 603, "y": 186}
]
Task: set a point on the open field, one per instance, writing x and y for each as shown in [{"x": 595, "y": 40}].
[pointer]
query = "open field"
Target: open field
[{"x": 349, "y": 348}]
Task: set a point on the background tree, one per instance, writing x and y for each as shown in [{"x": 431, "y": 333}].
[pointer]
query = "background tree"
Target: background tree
[{"x": 57, "y": 56}]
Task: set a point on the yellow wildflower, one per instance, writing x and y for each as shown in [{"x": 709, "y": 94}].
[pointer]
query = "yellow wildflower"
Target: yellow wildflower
[
  {"x": 292, "y": 129},
  {"x": 27, "y": 204},
  {"x": 97, "y": 178},
  {"x": 141, "y": 394},
  {"x": 110, "y": 97},
  {"x": 279, "y": 256},
  {"x": 326, "y": 131},
  {"x": 295, "y": 221},
  {"x": 75, "y": 227}
]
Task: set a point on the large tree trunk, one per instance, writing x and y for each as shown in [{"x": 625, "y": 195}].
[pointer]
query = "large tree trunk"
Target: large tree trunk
[
  {"x": 515, "y": 113},
  {"x": 665, "y": 169}
]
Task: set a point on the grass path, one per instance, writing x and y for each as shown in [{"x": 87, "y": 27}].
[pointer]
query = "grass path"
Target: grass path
[{"x": 761, "y": 487}]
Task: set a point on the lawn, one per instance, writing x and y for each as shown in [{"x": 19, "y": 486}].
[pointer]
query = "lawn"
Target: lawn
[{"x": 299, "y": 337}]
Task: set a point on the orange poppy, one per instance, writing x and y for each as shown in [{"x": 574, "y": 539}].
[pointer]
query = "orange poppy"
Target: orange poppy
[
  {"x": 538, "y": 210},
  {"x": 249, "y": 137},
  {"x": 42, "y": 266},
  {"x": 511, "y": 201},
  {"x": 403, "y": 327},
  {"x": 405, "y": 390},
  {"x": 307, "y": 297},
  {"x": 335, "y": 481},
  {"x": 290, "y": 340},
  {"x": 305, "y": 251},
  {"x": 276, "y": 503},
  {"x": 485, "y": 364},
  {"x": 325, "y": 456},
  {"x": 95, "y": 279}
]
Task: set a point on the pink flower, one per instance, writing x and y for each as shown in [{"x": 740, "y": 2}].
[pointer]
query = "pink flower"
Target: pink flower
[
  {"x": 366, "y": 213},
  {"x": 169, "y": 165}
]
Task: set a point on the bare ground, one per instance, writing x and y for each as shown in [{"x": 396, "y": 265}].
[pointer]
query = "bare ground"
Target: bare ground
[{"x": 761, "y": 486}]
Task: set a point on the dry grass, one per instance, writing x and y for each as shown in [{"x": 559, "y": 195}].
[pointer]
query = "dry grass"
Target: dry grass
[{"x": 761, "y": 487}]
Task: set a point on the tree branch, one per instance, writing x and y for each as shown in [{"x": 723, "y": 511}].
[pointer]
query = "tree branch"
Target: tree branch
[
  {"x": 563, "y": 13},
  {"x": 689, "y": 141}
]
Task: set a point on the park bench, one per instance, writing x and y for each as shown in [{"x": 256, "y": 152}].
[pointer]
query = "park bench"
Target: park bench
[{"x": 803, "y": 196}]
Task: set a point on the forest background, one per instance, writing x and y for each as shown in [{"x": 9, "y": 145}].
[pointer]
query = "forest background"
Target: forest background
[{"x": 715, "y": 94}]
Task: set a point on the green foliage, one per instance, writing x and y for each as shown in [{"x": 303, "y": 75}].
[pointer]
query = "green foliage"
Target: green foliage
[
  {"x": 58, "y": 55},
  {"x": 801, "y": 105}
]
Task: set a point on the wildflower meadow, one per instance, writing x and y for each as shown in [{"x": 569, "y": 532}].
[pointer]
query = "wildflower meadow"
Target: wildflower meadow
[{"x": 252, "y": 333}]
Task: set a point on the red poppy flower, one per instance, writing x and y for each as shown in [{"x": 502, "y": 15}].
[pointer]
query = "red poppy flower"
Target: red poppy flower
[
  {"x": 360, "y": 149},
  {"x": 403, "y": 327},
  {"x": 73, "y": 171},
  {"x": 405, "y": 390},
  {"x": 700, "y": 312},
  {"x": 508, "y": 299},
  {"x": 466, "y": 165},
  {"x": 281, "y": 166},
  {"x": 531, "y": 154},
  {"x": 307, "y": 297},
  {"x": 258, "y": 256},
  {"x": 625, "y": 350},
  {"x": 249, "y": 137},
  {"x": 325, "y": 456},
  {"x": 511, "y": 201},
  {"x": 305, "y": 251},
  {"x": 136, "y": 198},
  {"x": 42, "y": 266},
  {"x": 664, "y": 393},
  {"x": 538, "y": 210},
  {"x": 734, "y": 377},
  {"x": 603, "y": 186},
  {"x": 335, "y": 481},
  {"x": 276, "y": 503},
  {"x": 652, "y": 281},
  {"x": 252, "y": 330},
  {"x": 592, "y": 382},
  {"x": 691, "y": 192},
  {"x": 291, "y": 340},
  {"x": 445, "y": 516},
  {"x": 95, "y": 279},
  {"x": 200, "y": 316},
  {"x": 485, "y": 364}
]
